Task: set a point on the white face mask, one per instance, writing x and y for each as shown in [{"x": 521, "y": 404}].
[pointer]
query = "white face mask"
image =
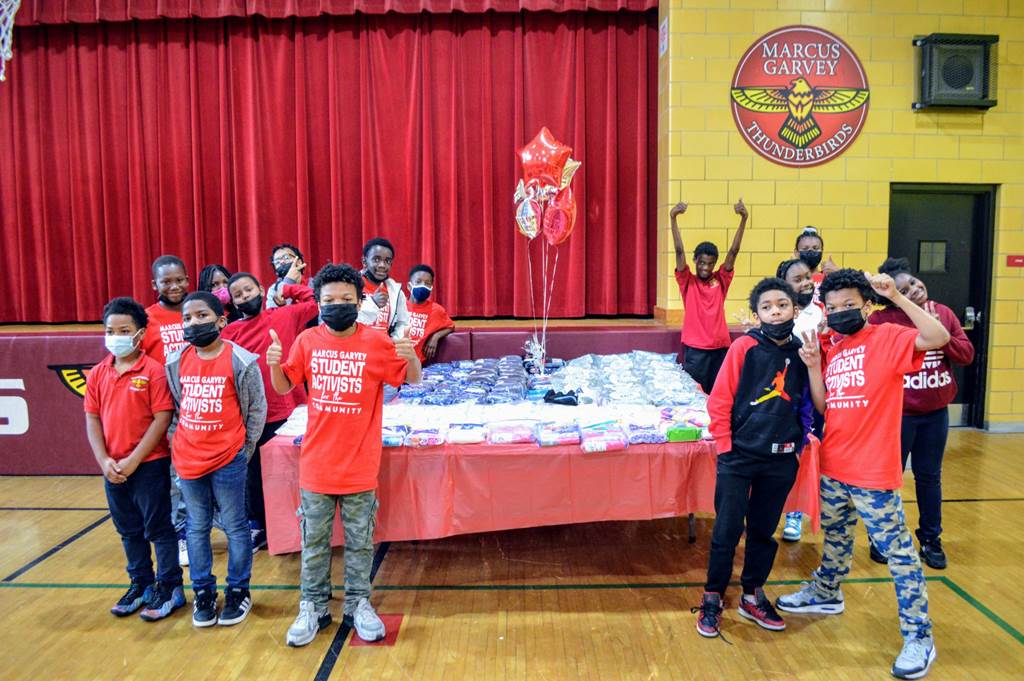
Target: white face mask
[{"x": 120, "y": 346}]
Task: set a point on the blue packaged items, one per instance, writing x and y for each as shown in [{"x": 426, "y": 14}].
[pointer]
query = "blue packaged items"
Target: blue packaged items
[
  {"x": 645, "y": 435},
  {"x": 394, "y": 435},
  {"x": 555, "y": 434},
  {"x": 425, "y": 437},
  {"x": 466, "y": 433}
]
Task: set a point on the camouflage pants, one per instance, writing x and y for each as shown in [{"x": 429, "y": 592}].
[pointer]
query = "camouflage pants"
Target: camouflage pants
[
  {"x": 316, "y": 517},
  {"x": 882, "y": 512}
]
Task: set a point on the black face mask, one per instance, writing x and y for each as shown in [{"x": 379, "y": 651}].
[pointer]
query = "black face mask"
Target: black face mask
[
  {"x": 847, "y": 322},
  {"x": 166, "y": 302},
  {"x": 811, "y": 258},
  {"x": 804, "y": 299},
  {"x": 201, "y": 335},
  {"x": 251, "y": 307},
  {"x": 780, "y": 331},
  {"x": 340, "y": 316},
  {"x": 282, "y": 269}
]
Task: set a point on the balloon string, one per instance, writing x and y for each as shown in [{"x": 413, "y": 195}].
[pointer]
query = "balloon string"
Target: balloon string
[
  {"x": 533, "y": 304},
  {"x": 544, "y": 289},
  {"x": 550, "y": 298}
]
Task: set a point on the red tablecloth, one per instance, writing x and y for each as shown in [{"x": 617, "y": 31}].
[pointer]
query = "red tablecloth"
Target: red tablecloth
[{"x": 458, "y": 489}]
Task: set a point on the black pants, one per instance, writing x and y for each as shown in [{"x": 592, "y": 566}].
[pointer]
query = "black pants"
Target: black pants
[
  {"x": 752, "y": 491},
  {"x": 254, "y": 478},
  {"x": 141, "y": 510},
  {"x": 703, "y": 365},
  {"x": 924, "y": 436}
]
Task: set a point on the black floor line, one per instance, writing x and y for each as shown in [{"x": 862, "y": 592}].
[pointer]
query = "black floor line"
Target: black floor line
[
  {"x": 331, "y": 657},
  {"x": 53, "y": 508},
  {"x": 70, "y": 540}
]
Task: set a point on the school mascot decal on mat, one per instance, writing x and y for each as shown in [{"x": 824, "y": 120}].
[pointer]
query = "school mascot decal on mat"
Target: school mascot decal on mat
[{"x": 799, "y": 96}]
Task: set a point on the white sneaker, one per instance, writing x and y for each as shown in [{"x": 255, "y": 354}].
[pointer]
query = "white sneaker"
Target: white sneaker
[
  {"x": 368, "y": 625},
  {"x": 794, "y": 526},
  {"x": 915, "y": 659},
  {"x": 182, "y": 553},
  {"x": 308, "y": 623}
]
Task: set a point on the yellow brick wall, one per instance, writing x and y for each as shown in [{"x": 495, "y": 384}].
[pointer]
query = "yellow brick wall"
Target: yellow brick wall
[{"x": 704, "y": 160}]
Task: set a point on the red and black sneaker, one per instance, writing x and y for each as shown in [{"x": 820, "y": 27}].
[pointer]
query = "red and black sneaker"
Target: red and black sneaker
[
  {"x": 761, "y": 611},
  {"x": 709, "y": 619}
]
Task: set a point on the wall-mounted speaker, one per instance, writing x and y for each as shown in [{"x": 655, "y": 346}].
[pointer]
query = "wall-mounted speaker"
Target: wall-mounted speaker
[{"x": 956, "y": 71}]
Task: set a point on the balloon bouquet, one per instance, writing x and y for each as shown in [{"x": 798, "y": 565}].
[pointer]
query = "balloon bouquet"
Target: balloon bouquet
[{"x": 545, "y": 203}]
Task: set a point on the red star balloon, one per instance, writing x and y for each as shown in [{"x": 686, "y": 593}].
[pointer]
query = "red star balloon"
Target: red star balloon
[{"x": 543, "y": 159}]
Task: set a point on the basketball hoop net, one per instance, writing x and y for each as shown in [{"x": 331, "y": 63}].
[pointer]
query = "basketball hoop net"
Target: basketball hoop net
[{"x": 8, "y": 8}]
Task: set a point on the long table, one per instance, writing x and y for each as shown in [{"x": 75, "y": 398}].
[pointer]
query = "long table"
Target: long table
[{"x": 443, "y": 491}]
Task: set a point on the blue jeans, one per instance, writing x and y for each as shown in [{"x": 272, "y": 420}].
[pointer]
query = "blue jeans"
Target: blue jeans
[
  {"x": 924, "y": 436},
  {"x": 224, "y": 487},
  {"x": 141, "y": 510}
]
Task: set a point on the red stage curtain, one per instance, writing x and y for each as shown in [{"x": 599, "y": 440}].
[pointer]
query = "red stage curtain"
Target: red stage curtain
[
  {"x": 90, "y": 11},
  {"x": 214, "y": 139}
]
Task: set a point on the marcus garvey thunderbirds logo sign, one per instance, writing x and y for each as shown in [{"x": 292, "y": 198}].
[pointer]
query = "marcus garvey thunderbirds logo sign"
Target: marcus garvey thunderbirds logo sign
[{"x": 799, "y": 96}]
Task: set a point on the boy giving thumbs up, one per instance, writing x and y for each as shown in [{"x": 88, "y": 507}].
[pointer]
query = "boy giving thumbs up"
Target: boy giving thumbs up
[{"x": 345, "y": 365}]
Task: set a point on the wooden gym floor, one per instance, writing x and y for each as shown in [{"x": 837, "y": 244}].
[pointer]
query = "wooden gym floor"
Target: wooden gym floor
[{"x": 600, "y": 601}]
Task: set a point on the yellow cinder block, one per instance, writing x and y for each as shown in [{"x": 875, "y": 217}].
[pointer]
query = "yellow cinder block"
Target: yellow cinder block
[
  {"x": 867, "y": 217},
  {"x": 685, "y": 168},
  {"x": 961, "y": 24},
  {"x": 764, "y": 264},
  {"x": 702, "y": 45},
  {"x": 1019, "y": 362},
  {"x": 753, "y": 193},
  {"x": 870, "y": 24},
  {"x": 941, "y": 6},
  {"x": 798, "y": 193},
  {"x": 937, "y": 146},
  {"x": 833, "y": 170},
  {"x": 847, "y": 240},
  {"x": 776, "y": 218},
  {"x": 835, "y": 193},
  {"x": 1008, "y": 28},
  {"x": 725, "y": 168},
  {"x": 998, "y": 403},
  {"x": 686, "y": 118},
  {"x": 704, "y": 143},
  {"x": 1008, "y": 241},
  {"x": 687, "y": 21},
  {"x": 742, "y": 261},
  {"x": 762, "y": 167},
  {"x": 685, "y": 70},
  {"x": 769, "y": 21},
  {"x": 987, "y": 7},
  {"x": 909, "y": 25},
  {"x": 891, "y": 146},
  {"x": 1005, "y": 334},
  {"x": 975, "y": 146},
  {"x": 1010, "y": 194},
  {"x": 1005, "y": 380},
  {"x": 730, "y": 21},
  {"x": 912, "y": 170},
  {"x": 830, "y": 21},
  {"x": 1014, "y": 53},
  {"x": 720, "y": 119},
  {"x": 891, "y": 49},
  {"x": 675, "y": 143},
  {"x": 704, "y": 192},
  {"x": 709, "y": 95},
  {"x": 878, "y": 194},
  {"x": 894, "y": 6},
  {"x": 721, "y": 71},
  {"x": 1018, "y": 402},
  {"x": 721, "y": 216},
  {"x": 759, "y": 240},
  {"x": 958, "y": 170},
  {"x": 868, "y": 168},
  {"x": 801, "y": 4},
  {"x": 878, "y": 121},
  {"x": 1005, "y": 311},
  {"x": 1009, "y": 218},
  {"x": 1002, "y": 171},
  {"x": 823, "y": 217},
  {"x": 848, "y": 5},
  {"x": 785, "y": 239},
  {"x": 878, "y": 240},
  {"x": 753, "y": 4},
  {"x": 703, "y": 3},
  {"x": 995, "y": 123},
  {"x": 879, "y": 72}
]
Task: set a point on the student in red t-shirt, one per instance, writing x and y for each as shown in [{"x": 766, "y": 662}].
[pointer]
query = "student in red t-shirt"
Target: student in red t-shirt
[
  {"x": 926, "y": 398},
  {"x": 345, "y": 365},
  {"x": 384, "y": 304},
  {"x": 163, "y": 336},
  {"x": 429, "y": 323},
  {"x": 218, "y": 390},
  {"x": 861, "y": 395},
  {"x": 127, "y": 410},
  {"x": 252, "y": 333},
  {"x": 705, "y": 336}
]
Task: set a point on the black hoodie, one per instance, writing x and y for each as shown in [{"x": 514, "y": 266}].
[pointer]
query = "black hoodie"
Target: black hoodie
[{"x": 761, "y": 403}]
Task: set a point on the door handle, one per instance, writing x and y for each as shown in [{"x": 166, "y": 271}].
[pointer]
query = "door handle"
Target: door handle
[{"x": 971, "y": 317}]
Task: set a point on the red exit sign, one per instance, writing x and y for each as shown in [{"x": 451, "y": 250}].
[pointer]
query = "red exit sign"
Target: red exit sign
[{"x": 1015, "y": 261}]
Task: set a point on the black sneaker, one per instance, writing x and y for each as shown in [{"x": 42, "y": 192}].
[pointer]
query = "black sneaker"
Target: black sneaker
[
  {"x": 133, "y": 599},
  {"x": 163, "y": 600},
  {"x": 933, "y": 555},
  {"x": 237, "y": 603},
  {"x": 204, "y": 608},
  {"x": 709, "y": 619},
  {"x": 876, "y": 555},
  {"x": 259, "y": 540}
]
